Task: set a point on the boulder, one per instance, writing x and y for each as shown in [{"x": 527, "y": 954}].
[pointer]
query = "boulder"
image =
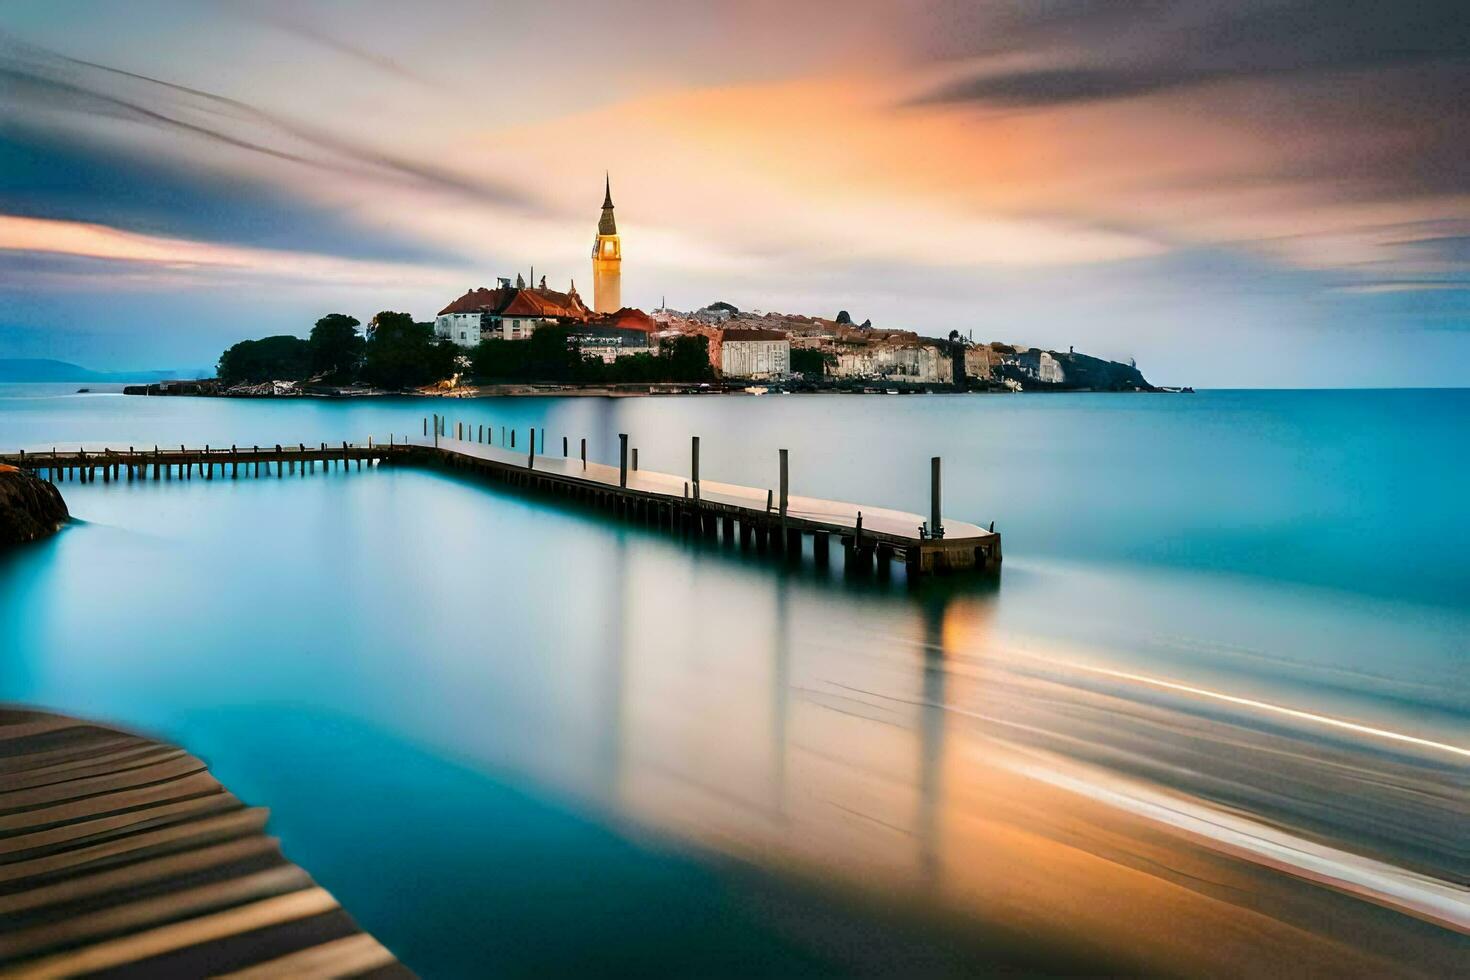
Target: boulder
[{"x": 30, "y": 508}]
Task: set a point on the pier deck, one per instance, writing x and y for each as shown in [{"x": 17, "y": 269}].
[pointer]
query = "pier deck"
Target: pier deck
[
  {"x": 123, "y": 856},
  {"x": 768, "y": 519}
]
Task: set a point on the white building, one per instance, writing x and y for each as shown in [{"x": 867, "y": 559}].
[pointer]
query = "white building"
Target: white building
[
  {"x": 462, "y": 328},
  {"x": 507, "y": 313},
  {"x": 919, "y": 363},
  {"x": 755, "y": 354}
]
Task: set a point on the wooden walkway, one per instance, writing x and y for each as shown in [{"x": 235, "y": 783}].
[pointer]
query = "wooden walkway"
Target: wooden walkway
[
  {"x": 765, "y": 519},
  {"x": 121, "y": 856}
]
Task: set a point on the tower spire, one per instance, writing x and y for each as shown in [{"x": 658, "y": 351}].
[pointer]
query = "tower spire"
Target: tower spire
[{"x": 607, "y": 225}]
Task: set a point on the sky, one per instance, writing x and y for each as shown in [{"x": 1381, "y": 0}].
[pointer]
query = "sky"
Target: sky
[{"x": 1257, "y": 193}]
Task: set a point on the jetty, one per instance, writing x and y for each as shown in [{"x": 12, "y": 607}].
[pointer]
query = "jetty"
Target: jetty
[
  {"x": 122, "y": 856},
  {"x": 763, "y": 519}
]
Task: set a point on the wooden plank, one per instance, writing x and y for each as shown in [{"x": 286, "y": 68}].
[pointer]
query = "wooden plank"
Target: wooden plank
[
  {"x": 243, "y": 821},
  {"x": 150, "y": 912},
  {"x": 344, "y": 957},
  {"x": 199, "y": 784},
  {"x": 101, "y": 882},
  {"x": 143, "y": 753},
  {"x": 116, "y": 780},
  {"x": 131, "y": 858},
  {"x": 132, "y": 820},
  {"x": 25, "y": 762},
  {"x": 178, "y": 935}
]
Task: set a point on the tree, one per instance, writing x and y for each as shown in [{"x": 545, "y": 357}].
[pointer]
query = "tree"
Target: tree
[
  {"x": 687, "y": 358},
  {"x": 403, "y": 354},
  {"x": 336, "y": 348},
  {"x": 549, "y": 354},
  {"x": 281, "y": 358},
  {"x": 844, "y": 317},
  {"x": 812, "y": 363}
]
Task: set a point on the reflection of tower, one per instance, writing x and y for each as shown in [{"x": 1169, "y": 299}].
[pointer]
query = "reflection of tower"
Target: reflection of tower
[{"x": 607, "y": 261}]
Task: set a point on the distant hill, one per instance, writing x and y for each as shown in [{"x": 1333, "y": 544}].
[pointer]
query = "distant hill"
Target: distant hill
[{"x": 37, "y": 369}]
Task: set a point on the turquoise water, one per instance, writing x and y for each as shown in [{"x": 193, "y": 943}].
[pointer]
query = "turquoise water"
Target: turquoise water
[{"x": 503, "y": 731}]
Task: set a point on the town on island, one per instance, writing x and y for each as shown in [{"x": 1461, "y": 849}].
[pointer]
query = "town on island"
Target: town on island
[{"x": 523, "y": 337}]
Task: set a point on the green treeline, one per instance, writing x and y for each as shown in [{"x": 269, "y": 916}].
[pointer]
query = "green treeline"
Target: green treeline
[
  {"x": 550, "y": 356},
  {"x": 399, "y": 353},
  {"x": 395, "y": 353}
]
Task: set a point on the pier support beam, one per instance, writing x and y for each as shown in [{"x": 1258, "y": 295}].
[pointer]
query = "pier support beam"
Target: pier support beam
[{"x": 821, "y": 548}]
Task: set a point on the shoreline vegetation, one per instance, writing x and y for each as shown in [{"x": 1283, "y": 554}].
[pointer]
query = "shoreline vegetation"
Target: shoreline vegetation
[{"x": 396, "y": 355}]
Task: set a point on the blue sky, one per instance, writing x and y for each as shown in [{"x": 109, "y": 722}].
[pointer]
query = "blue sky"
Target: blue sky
[{"x": 1258, "y": 193}]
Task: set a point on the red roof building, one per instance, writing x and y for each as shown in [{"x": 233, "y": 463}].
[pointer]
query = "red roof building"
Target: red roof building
[{"x": 508, "y": 313}]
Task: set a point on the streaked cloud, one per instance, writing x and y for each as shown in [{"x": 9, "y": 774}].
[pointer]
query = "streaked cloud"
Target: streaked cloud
[
  {"x": 938, "y": 163},
  {"x": 168, "y": 257}
]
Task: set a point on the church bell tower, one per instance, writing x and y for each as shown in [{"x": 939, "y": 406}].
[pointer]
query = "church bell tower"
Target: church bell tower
[{"x": 607, "y": 261}]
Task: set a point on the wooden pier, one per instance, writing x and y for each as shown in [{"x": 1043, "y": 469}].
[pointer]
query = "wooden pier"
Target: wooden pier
[
  {"x": 767, "y": 520},
  {"x": 123, "y": 856}
]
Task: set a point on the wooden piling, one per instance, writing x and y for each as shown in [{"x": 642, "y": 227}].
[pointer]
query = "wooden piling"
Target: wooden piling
[
  {"x": 936, "y": 527},
  {"x": 785, "y": 483},
  {"x": 622, "y": 459},
  {"x": 694, "y": 464}
]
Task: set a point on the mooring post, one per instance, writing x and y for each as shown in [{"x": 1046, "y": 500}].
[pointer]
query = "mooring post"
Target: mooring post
[
  {"x": 426, "y": 426},
  {"x": 936, "y": 529},
  {"x": 694, "y": 466},
  {"x": 584, "y": 452},
  {"x": 622, "y": 459},
  {"x": 531, "y": 455},
  {"x": 635, "y": 459},
  {"x": 564, "y": 452},
  {"x": 512, "y": 438},
  {"x": 784, "y": 483}
]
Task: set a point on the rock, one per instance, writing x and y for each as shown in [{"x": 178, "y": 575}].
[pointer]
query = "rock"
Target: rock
[{"x": 30, "y": 508}]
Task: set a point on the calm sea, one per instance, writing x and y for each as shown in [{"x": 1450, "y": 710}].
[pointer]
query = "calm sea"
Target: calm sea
[{"x": 511, "y": 736}]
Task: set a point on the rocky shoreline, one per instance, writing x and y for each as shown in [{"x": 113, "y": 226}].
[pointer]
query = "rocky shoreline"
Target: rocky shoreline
[{"x": 30, "y": 508}]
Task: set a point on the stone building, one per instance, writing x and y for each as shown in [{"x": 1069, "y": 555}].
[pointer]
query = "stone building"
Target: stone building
[
  {"x": 755, "y": 354},
  {"x": 912, "y": 363}
]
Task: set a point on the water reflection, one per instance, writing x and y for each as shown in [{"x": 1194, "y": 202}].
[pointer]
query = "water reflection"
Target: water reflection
[{"x": 887, "y": 739}]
